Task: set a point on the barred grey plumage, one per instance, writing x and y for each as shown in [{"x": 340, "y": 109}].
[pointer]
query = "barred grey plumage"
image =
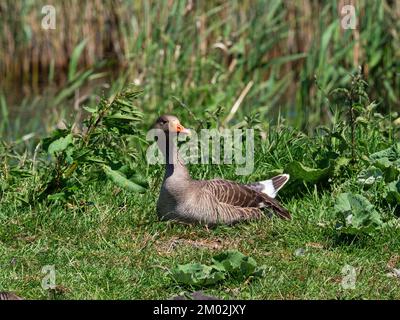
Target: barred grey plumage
[
  {"x": 213, "y": 201},
  {"x": 9, "y": 296}
]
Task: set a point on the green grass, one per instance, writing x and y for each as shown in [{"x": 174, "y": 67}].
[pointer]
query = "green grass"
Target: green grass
[
  {"x": 278, "y": 46},
  {"x": 109, "y": 244},
  {"x": 106, "y": 251}
]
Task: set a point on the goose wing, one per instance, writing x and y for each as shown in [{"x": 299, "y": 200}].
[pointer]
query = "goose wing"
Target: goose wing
[{"x": 238, "y": 195}]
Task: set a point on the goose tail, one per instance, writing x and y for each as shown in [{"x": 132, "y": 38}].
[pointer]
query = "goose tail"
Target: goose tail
[
  {"x": 281, "y": 212},
  {"x": 271, "y": 186}
]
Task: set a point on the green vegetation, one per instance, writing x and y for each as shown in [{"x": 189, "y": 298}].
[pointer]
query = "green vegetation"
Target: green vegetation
[
  {"x": 76, "y": 191},
  {"x": 228, "y": 264},
  {"x": 106, "y": 242},
  {"x": 206, "y": 53}
]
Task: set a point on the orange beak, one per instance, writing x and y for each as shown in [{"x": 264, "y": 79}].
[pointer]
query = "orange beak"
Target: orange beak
[{"x": 181, "y": 129}]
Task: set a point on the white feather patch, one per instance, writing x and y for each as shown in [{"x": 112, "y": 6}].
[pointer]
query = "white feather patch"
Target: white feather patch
[{"x": 269, "y": 189}]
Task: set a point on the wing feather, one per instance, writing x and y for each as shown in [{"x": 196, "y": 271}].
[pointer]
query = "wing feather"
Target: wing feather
[{"x": 243, "y": 197}]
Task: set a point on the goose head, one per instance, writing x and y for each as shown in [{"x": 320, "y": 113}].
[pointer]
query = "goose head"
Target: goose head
[
  {"x": 170, "y": 127},
  {"x": 170, "y": 124}
]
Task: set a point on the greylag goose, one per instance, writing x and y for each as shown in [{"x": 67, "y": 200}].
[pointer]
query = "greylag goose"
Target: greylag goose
[{"x": 209, "y": 202}]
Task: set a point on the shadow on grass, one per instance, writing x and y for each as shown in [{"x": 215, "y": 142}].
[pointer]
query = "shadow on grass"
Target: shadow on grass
[{"x": 351, "y": 241}]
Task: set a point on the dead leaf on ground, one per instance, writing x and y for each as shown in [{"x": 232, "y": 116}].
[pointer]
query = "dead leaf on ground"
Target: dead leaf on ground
[
  {"x": 393, "y": 261},
  {"x": 165, "y": 247},
  {"x": 26, "y": 238},
  {"x": 61, "y": 289},
  {"x": 315, "y": 245}
]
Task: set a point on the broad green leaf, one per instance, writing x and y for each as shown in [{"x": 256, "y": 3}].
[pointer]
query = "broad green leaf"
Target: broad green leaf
[
  {"x": 298, "y": 171},
  {"x": 55, "y": 135},
  {"x": 393, "y": 193},
  {"x": 392, "y": 153},
  {"x": 233, "y": 263},
  {"x": 390, "y": 169},
  {"x": 60, "y": 144},
  {"x": 121, "y": 181},
  {"x": 383, "y": 162},
  {"x": 197, "y": 274},
  {"x": 236, "y": 263},
  {"x": 356, "y": 214}
]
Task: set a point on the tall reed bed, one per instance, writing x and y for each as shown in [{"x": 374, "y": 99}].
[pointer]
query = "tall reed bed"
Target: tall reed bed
[{"x": 245, "y": 57}]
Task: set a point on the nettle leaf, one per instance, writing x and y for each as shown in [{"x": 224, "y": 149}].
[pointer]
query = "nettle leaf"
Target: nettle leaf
[
  {"x": 123, "y": 116},
  {"x": 60, "y": 144},
  {"x": 121, "y": 124},
  {"x": 90, "y": 109},
  {"x": 81, "y": 154},
  {"x": 55, "y": 135},
  {"x": 120, "y": 180},
  {"x": 356, "y": 214},
  {"x": 298, "y": 171},
  {"x": 197, "y": 274},
  {"x": 120, "y": 116},
  {"x": 236, "y": 263}
]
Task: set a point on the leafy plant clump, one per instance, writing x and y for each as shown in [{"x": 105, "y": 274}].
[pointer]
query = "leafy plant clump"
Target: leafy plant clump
[
  {"x": 230, "y": 264},
  {"x": 341, "y": 145},
  {"x": 105, "y": 147},
  {"x": 354, "y": 212},
  {"x": 197, "y": 274}
]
